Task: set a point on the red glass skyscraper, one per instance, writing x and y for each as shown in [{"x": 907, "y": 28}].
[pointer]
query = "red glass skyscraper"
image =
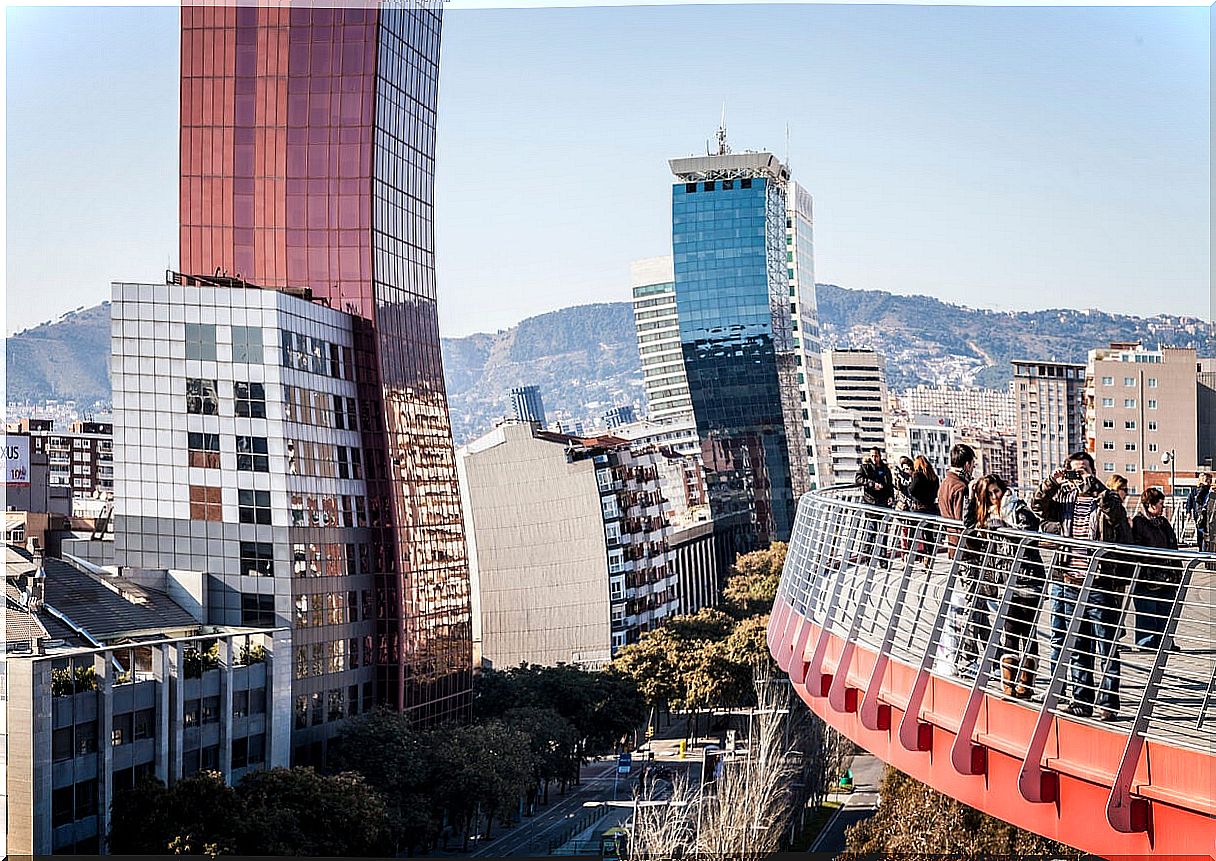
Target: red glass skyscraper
[{"x": 308, "y": 161}]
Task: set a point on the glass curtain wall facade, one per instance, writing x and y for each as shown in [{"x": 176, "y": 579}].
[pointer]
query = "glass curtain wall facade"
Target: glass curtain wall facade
[
  {"x": 732, "y": 296},
  {"x": 307, "y": 160}
]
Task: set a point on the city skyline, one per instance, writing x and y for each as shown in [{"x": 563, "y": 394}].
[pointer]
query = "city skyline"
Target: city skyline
[{"x": 1066, "y": 152}]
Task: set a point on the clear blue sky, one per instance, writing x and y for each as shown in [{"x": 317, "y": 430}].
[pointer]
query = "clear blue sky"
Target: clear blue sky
[{"x": 1010, "y": 158}]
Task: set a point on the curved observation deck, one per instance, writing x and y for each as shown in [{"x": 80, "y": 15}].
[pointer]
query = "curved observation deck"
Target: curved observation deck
[{"x": 1002, "y": 668}]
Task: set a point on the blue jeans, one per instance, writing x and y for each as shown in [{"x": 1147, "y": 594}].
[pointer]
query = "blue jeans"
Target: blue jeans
[
  {"x": 1152, "y": 607},
  {"x": 1095, "y": 639}
]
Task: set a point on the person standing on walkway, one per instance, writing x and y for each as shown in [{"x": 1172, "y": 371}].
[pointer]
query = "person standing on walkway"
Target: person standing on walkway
[
  {"x": 1157, "y": 584},
  {"x": 877, "y": 489},
  {"x": 1074, "y": 504},
  {"x": 954, "y": 655},
  {"x": 1197, "y": 506}
]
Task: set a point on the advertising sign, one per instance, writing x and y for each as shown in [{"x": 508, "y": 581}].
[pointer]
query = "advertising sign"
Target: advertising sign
[{"x": 17, "y": 455}]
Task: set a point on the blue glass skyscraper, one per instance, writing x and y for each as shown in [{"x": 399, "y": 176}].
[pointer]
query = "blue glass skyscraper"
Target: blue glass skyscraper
[{"x": 732, "y": 286}]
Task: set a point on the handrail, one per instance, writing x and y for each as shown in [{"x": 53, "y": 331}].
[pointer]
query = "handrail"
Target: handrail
[{"x": 1010, "y": 613}]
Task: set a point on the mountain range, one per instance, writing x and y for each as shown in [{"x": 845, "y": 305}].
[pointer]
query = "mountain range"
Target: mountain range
[{"x": 585, "y": 358}]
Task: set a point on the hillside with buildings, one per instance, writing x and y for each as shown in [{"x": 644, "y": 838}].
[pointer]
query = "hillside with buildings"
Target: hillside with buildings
[{"x": 584, "y": 359}]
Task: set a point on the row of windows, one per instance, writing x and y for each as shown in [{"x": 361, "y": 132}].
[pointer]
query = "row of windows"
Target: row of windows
[
  {"x": 201, "y": 343},
  {"x": 319, "y": 409},
  {"x": 202, "y": 398},
  {"x": 1130, "y": 381},
  {"x": 726, "y": 185},
  {"x": 324, "y": 460},
  {"x": 251, "y": 453},
  {"x": 316, "y": 709},
  {"x": 246, "y": 751},
  {"x": 316, "y": 355}
]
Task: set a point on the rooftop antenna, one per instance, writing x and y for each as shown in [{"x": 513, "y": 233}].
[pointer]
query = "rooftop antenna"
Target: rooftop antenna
[
  {"x": 787, "y": 145},
  {"x": 723, "y": 148}
]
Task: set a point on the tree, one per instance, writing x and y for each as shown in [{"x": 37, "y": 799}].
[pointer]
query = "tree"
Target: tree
[
  {"x": 396, "y": 761},
  {"x": 198, "y": 815},
  {"x": 554, "y": 743},
  {"x": 296, "y": 811},
  {"x": 914, "y": 819},
  {"x": 752, "y": 586},
  {"x": 483, "y": 768}
]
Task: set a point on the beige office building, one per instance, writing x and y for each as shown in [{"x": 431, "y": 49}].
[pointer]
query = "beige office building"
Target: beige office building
[
  {"x": 568, "y": 543},
  {"x": 1142, "y": 403},
  {"x": 658, "y": 332}
]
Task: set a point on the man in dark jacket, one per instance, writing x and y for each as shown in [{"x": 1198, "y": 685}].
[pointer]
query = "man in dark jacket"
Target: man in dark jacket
[
  {"x": 874, "y": 479},
  {"x": 1196, "y": 507},
  {"x": 877, "y": 488},
  {"x": 1072, "y": 503}
]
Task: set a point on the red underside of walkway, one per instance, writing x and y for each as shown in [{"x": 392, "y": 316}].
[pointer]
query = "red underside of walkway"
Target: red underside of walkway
[{"x": 1180, "y": 785}]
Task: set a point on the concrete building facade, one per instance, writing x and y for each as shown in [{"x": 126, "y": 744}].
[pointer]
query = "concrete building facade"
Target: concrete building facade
[
  {"x": 1050, "y": 414},
  {"x": 857, "y": 381},
  {"x": 966, "y": 407},
  {"x": 110, "y": 680},
  {"x": 931, "y": 437},
  {"x": 239, "y": 455},
  {"x": 569, "y": 545},
  {"x": 1140, "y": 404}
]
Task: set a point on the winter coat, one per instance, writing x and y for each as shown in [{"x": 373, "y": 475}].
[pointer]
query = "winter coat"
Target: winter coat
[
  {"x": 876, "y": 485},
  {"x": 1156, "y": 532},
  {"x": 1054, "y": 504},
  {"x": 922, "y": 491}
]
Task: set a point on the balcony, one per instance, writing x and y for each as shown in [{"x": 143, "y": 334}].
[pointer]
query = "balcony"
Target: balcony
[{"x": 987, "y": 676}]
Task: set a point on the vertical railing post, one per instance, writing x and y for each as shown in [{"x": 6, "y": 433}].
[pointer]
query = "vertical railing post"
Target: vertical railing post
[
  {"x": 966, "y": 756},
  {"x": 1125, "y": 813},
  {"x": 1034, "y": 782}
]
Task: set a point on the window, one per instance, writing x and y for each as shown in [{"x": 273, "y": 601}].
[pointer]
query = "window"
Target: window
[
  {"x": 63, "y": 806},
  {"x": 209, "y": 758},
  {"x": 202, "y": 397},
  {"x": 209, "y": 711},
  {"x": 190, "y": 760},
  {"x": 1129, "y": 381},
  {"x": 1108, "y": 467},
  {"x": 745, "y": 183},
  {"x": 1152, "y": 426},
  {"x": 337, "y": 704},
  {"x": 301, "y": 712},
  {"x": 61, "y": 744},
  {"x": 1131, "y": 467},
  {"x": 257, "y": 610},
  {"x": 144, "y": 724},
  {"x": 1152, "y": 446},
  {"x": 1129, "y": 446},
  {"x": 190, "y": 713},
  {"x": 251, "y": 454},
  {"x": 247, "y": 344},
  {"x": 121, "y": 729},
  {"x": 1152, "y": 404},
  {"x": 1129, "y": 403},
  {"x": 240, "y": 752},
  {"x": 1108, "y": 381},
  {"x": 86, "y": 738},
  {"x": 257, "y": 701},
  {"x": 257, "y": 559},
  {"x": 1108, "y": 423},
  {"x": 1152, "y": 382},
  {"x": 86, "y": 799},
  {"x": 1108, "y": 445},
  {"x": 250, "y": 400},
  {"x": 204, "y": 450},
  {"x": 254, "y": 506},
  {"x": 206, "y": 503},
  {"x": 708, "y": 186},
  {"x": 1129, "y": 425},
  {"x": 1108, "y": 402},
  {"x": 200, "y": 341}
]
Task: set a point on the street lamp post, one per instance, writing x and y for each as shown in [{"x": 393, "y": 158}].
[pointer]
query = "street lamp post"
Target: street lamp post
[{"x": 1171, "y": 460}]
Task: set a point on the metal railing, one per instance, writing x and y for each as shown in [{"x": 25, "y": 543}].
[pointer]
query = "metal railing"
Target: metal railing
[{"x": 1084, "y": 630}]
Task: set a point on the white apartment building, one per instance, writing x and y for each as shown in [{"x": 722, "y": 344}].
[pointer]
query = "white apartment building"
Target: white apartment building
[
  {"x": 658, "y": 332},
  {"x": 808, "y": 346},
  {"x": 931, "y": 437},
  {"x": 856, "y": 381}
]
